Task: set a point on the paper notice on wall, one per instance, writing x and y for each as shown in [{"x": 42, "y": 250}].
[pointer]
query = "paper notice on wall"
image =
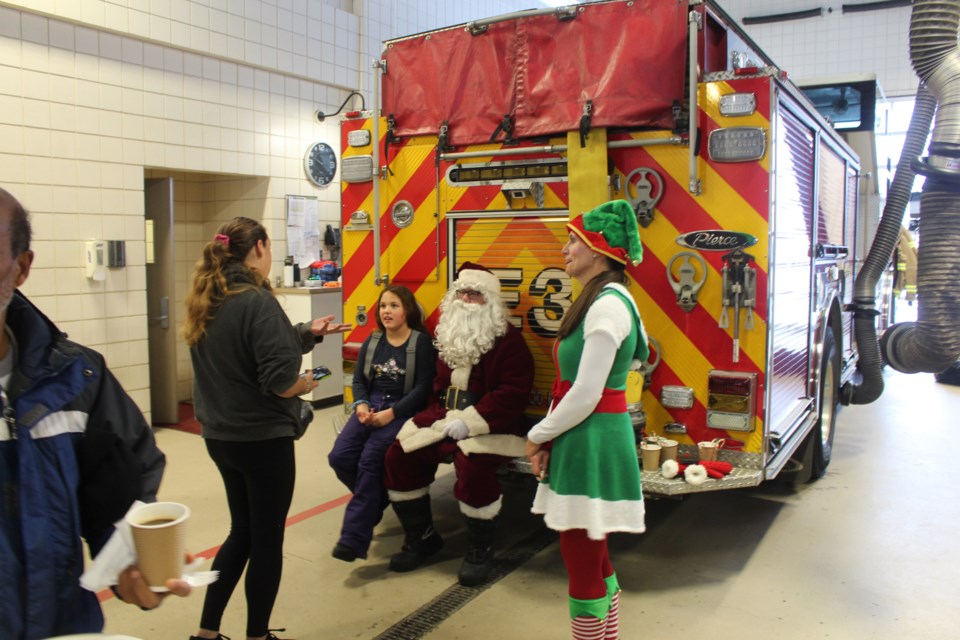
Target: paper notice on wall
[
  {"x": 303, "y": 231},
  {"x": 295, "y": 244}
]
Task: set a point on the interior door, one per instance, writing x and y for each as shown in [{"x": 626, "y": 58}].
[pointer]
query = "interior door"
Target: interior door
[{"x": 158, "y": 197}]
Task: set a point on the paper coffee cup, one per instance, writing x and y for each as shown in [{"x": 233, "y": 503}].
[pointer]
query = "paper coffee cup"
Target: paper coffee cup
[
  {"x": 668, "y": 449},
  {"x": 651, "y": 456},
  {"x": 708, "y": 450},
  {"x": 158, "y": 532}
]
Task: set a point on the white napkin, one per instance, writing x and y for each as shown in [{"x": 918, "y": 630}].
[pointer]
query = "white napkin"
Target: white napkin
[{"x": 119, "y": 553}]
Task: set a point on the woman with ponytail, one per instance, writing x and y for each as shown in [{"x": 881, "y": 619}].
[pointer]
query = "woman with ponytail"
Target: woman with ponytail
[
  {"x": 246, "y": 359},
  {"x": 584, "y": 450}
]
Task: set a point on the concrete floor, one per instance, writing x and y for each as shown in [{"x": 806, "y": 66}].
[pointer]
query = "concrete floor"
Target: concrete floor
[{"x": 869, "y": 551}]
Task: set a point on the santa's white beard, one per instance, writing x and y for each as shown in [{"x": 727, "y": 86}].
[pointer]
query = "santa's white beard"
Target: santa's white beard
[{"x": 467, "y": 331}]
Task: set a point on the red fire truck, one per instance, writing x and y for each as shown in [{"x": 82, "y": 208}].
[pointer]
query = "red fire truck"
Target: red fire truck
[{"x": 491, "y": 135}]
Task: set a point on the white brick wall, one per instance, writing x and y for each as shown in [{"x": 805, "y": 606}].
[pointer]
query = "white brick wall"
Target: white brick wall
[
  {"x": 835, "y": 43},
  {"x": 97, "y": 95}
]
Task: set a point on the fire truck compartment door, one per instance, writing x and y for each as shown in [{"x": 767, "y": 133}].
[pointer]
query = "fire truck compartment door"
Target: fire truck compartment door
[
  {"x": 409, "y": 224},
  {"x": 524, "y": 253}
]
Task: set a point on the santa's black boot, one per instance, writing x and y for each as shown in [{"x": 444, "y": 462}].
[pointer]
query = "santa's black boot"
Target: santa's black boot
[
  {"x": 420, "y": 540},
  {"x": 478, "y": 562}
]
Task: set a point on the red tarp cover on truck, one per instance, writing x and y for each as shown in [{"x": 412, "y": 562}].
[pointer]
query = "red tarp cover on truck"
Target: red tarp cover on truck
[{"x": 628, "y": 58}]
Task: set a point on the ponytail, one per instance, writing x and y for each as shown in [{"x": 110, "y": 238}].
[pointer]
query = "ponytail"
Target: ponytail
[{"x": 229, "y": 247}]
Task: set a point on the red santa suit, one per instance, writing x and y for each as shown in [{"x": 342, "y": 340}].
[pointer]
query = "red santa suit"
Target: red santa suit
[
  {"x": 474, "y": 416},
  {"x": 500, "y": 385}
]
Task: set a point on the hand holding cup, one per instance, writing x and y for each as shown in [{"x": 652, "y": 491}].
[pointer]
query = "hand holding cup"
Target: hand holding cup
[
  {"x": 132, "y": 588},
  {"x": 159, "y": 531}
]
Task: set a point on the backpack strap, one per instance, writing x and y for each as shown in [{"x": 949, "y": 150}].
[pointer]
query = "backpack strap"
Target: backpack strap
[
  {"x": 408, "y": 378},
  {"x": 371, "y": 347}
]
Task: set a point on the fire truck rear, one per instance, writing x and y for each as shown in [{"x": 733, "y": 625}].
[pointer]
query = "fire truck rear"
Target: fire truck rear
[{"x": 492, "y": 134}]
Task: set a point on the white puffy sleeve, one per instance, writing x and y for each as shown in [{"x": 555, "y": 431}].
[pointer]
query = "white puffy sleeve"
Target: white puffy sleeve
[{"x": 608, "y": 315}]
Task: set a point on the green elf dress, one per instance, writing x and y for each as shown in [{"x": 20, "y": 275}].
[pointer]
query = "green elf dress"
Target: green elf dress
[{"x": 593, "y": 476}]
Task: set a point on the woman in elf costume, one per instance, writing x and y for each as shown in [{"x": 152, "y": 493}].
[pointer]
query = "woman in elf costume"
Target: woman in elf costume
[{"x": 584, "y": 450}]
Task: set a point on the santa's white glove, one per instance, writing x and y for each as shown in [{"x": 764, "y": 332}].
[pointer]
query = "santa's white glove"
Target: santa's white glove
[{"x": 456, "y": 429}]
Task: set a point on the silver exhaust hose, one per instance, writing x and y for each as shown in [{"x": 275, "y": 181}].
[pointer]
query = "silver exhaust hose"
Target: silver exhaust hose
[
  {"x": 881, "y": 251},
  {"x": 933, "y": 343}
]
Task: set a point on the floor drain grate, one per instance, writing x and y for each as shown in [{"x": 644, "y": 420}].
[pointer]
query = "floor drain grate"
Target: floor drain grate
[{"x": 443, "y": 606}]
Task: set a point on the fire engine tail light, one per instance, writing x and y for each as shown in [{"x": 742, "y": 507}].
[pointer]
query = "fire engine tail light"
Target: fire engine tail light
[
  {"x": 676, "y": 397},
  {"x": 738, "y": 104},
  {"x": 350, "y": 350},
  {"x": 731, "y": 400},
  {"x": 355, "y": 169},
  {"x": 358, "y": 138},
  {"x": 737, "y": 144}
]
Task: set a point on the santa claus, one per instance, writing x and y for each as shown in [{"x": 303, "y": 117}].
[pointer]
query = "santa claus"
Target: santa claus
[{"x": 475, "y": 415}]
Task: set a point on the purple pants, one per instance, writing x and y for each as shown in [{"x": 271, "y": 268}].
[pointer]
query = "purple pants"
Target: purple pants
[
  {"x": 357, "y": 459},
  {"x": 477, "y": 485}
]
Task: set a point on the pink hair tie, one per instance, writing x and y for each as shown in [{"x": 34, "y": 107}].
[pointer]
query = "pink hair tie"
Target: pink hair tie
[{"x": 222, "y": 239}]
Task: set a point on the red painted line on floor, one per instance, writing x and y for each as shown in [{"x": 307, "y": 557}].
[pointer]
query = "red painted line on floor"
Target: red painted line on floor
[
  {"x": 317, "y": 510},
  {"x": 106, "y": 594}
]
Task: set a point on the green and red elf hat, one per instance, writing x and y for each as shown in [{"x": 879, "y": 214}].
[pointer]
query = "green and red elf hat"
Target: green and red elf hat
[{"x": 611, "y": 230}]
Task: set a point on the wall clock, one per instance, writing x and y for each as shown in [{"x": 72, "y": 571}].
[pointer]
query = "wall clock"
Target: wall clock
[{"x": 320, "y": 163}]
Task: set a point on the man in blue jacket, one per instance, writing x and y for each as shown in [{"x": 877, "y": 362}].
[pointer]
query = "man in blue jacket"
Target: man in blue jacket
[{"x": 75, "y": 452}]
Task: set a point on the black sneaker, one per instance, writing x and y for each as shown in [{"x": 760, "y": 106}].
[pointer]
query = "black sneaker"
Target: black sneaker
[
  {"x": 414, "y": 554},
  {"x": 343, "y": 552}
]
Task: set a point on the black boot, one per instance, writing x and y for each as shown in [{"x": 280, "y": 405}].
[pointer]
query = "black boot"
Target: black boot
[
  {"x": 478, "y": 562},
  {"x": 420, "y": 540}
]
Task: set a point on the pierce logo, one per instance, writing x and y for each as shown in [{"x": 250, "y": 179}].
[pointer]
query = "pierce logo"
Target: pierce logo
[{"x": 716, "y": 240}]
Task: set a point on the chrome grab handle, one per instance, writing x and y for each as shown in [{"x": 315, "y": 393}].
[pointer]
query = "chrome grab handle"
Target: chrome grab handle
[{"x": 164, "y": 317}]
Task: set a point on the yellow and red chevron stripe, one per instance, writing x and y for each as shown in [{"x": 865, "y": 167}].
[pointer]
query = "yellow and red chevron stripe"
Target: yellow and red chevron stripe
[
  {"x": 408, "y": 255},
  {"x": 525, "y": 254},
  {"x": 416, "y": 255},
  {"x": 735, "y": 197}
]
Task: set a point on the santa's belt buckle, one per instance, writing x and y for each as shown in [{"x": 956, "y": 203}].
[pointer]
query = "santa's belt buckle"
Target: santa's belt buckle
[{"x": 457, "y": 398}]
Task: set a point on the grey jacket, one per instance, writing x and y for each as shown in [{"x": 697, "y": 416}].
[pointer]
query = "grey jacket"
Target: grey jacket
[{"x": 249, "y": 354}]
